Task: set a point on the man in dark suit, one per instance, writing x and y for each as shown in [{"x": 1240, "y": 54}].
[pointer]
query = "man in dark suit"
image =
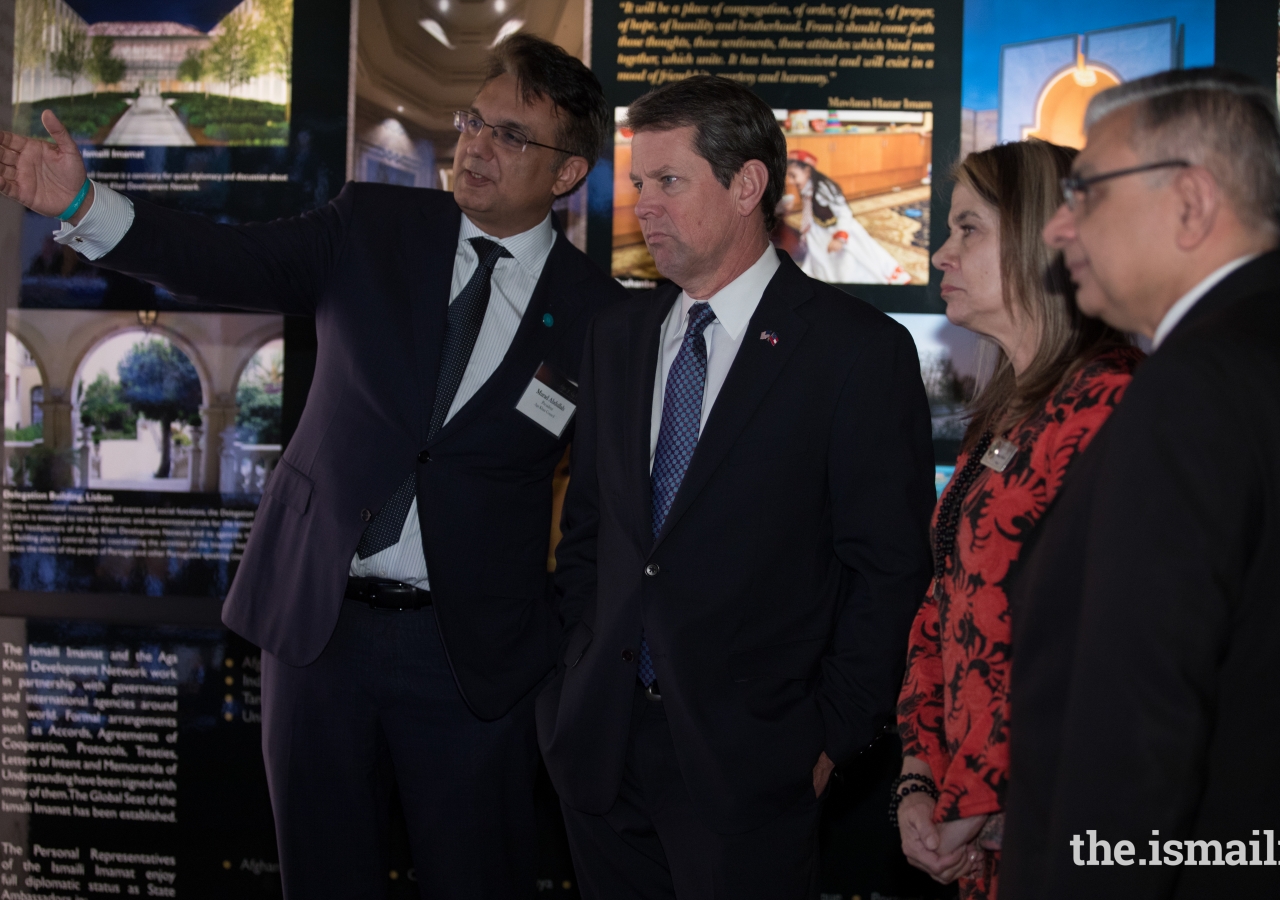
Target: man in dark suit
[
  {"x": 418, "y": 483},
  {"x": 745, "y": 535},
  {"x": 1145, "y": 691}
]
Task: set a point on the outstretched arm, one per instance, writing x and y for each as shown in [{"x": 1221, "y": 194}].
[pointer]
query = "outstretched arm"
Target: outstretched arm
[{"x": 279, "y": 266}]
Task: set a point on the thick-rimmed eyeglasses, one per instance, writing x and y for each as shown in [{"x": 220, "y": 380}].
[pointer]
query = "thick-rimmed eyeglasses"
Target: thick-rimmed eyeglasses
[
  {"x": 507, "y": 138},
  {"x": 1075, "y": 190}
]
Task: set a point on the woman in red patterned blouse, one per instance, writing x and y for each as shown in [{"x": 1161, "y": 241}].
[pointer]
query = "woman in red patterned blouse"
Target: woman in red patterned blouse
[{"x": 1057, "y": 378}]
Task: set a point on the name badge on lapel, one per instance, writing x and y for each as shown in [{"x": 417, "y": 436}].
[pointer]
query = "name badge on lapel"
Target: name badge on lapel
[{"x": 550, "y": 399}]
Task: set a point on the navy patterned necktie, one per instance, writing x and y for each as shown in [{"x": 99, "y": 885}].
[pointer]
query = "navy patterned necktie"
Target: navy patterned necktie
[
  {"x": 462, "y": 327},
  {"x": 677, "y": 434}
]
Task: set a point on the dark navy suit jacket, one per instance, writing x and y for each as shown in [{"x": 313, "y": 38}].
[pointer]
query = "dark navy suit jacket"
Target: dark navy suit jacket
[
  {"x": 374, "y": 267},
  {"x": 777, "y": 599}
]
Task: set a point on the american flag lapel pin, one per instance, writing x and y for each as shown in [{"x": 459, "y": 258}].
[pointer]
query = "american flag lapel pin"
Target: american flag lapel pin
[{"x": 770, "y": 336}]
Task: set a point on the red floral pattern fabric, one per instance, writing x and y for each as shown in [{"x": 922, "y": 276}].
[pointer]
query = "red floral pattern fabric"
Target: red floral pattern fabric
[{"x": 953, "y": 711}]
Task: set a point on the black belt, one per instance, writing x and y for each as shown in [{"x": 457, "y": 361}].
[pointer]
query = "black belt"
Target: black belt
[{"x": 381, "y": 593}]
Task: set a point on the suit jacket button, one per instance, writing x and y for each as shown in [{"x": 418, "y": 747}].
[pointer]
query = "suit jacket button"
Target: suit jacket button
[
  {"x": 652, "y": 569},
  {"x": 365, "y": 515},
  {"x": 628, "y": 655},
  {"x": 424, "y": 457}
]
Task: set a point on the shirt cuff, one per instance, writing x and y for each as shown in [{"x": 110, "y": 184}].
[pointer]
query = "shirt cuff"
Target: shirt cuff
[{"x": 102, "y": 227}]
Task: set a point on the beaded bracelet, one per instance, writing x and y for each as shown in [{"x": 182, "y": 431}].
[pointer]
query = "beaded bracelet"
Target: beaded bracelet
[
  {"x": 76, "y": 203},
  {"x": 903, "y": 779},
  {"x": 924, "y": 785}
]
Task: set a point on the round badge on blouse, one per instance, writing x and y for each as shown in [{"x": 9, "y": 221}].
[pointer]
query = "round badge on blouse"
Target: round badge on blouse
[{"x": 548, "y": 319}]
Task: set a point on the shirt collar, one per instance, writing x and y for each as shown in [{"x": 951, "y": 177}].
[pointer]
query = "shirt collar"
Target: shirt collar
[
  {"x": 1192, "y": 297},
  {"x": 736, "y": 302},
  {"x": 530, "y": 249}
]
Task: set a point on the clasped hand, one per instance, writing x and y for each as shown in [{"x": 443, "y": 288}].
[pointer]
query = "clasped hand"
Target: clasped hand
[{"x": 945, "y": 850}]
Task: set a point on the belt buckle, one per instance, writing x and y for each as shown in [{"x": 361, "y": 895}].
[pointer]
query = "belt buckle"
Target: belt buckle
[
  {"x": 392, "y": 596},
  {"x": 650, "y": 693}
]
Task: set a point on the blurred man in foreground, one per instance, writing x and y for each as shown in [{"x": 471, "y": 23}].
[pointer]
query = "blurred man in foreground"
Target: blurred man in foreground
[{"x": 1145, "y": 694}]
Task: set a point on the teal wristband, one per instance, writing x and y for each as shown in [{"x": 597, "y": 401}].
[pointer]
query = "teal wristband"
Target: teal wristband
[{"x": 76, "y": 203}]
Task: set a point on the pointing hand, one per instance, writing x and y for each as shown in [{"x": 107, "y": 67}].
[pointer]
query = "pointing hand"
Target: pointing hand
[{"x": 43, "y": 177}]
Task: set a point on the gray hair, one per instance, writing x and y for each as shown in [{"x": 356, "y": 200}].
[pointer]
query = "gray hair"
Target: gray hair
[
  {"x": 732, "y": 126},
  {"x": 1211, "y": 117}
]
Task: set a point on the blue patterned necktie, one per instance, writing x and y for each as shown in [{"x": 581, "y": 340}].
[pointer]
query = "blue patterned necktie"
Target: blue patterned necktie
[
  {"x": 462, "y": 327},
  {"x": 677, "y": 435}
]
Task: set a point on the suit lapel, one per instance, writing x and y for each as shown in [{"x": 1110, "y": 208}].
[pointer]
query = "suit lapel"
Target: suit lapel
[
  {"x": 754, "y": 370},
  {"x": 556, "y": 293},
  {"x": 1259, "y": 274},
  {"x": 642, "y": 370},
  {"x": 430, "y": 286}
]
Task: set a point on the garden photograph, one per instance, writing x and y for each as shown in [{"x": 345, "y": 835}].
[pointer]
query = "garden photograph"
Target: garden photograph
[
  {"x": 144, "y": 73},
  {"x": 143, "y": 401}
]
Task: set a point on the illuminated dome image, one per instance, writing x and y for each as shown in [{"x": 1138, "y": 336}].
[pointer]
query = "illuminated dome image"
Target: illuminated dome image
[{"x": 1063, "y": 100}]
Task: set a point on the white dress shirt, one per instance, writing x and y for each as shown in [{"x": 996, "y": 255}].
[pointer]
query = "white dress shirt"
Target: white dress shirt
[
  {"x": 733, "y": 305},
  {"x": 1192, "y": 297},
  {"x": 512, "y": 288}
]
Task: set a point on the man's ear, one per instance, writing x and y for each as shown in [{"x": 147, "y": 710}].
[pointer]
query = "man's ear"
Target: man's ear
[
  {"x": 751, "y": 181},
  {"x": 1199, "y": 204},
  {"x": 572, "y": 170}
]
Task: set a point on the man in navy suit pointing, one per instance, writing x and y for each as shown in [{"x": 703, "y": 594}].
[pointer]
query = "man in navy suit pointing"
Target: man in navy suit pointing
[
  {"x": 396, "y": 574},
  {"x": 745, "y": 535}
]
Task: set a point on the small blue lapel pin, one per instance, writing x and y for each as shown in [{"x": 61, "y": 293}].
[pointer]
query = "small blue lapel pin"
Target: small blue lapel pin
[
  {"x": 548, "y": 319},
  {"x": 770, "y": 336}
]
